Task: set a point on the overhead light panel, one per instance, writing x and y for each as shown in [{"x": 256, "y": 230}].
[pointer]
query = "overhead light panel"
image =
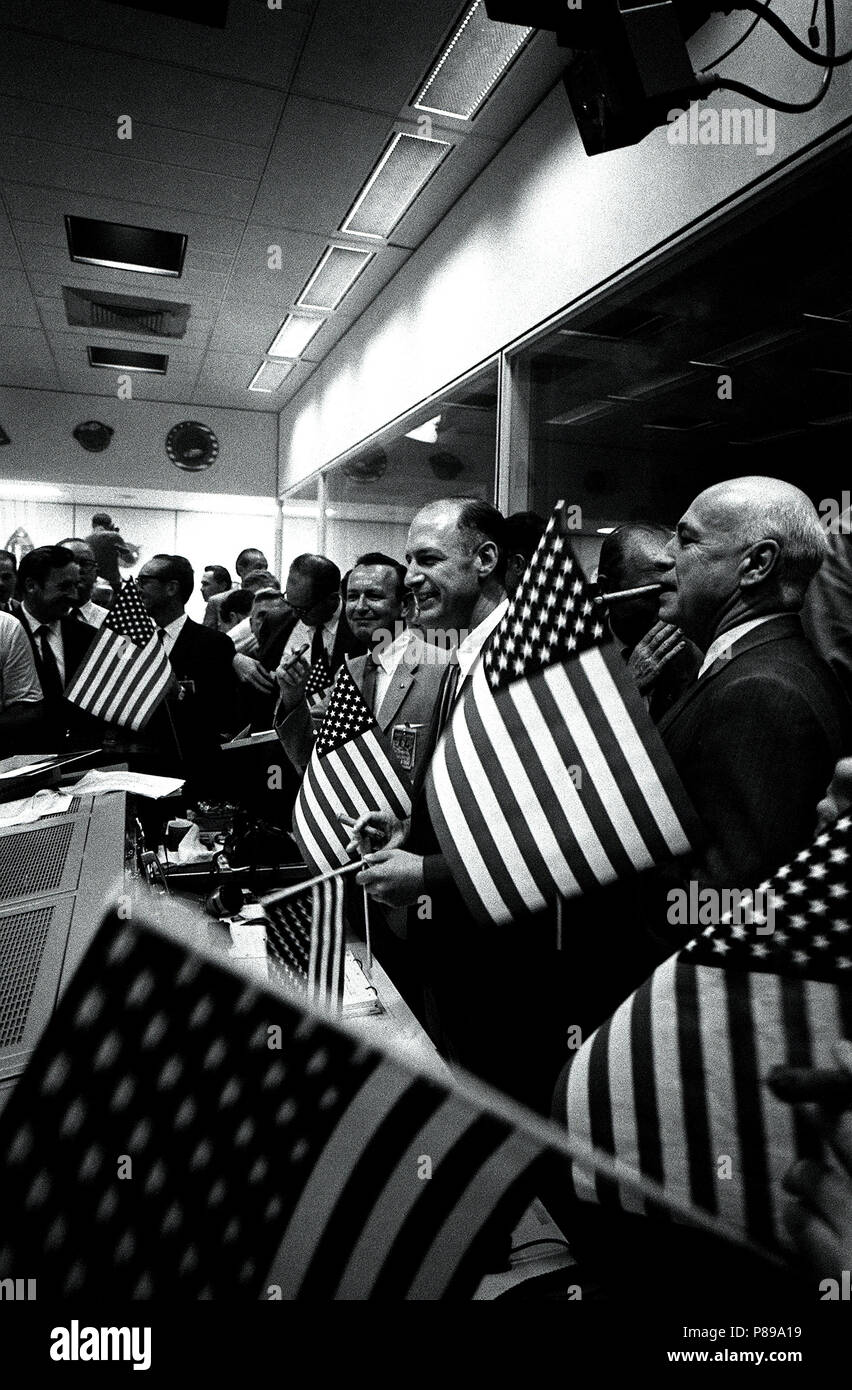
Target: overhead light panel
[
  {"x": 293, "y": 336},
  {"x": 403, "y": 171},
  {"x": 471, "y": 65},
  {"x": 119, "y": 246},
  {"x": 270, "y": 375},
  {"x": 334, "y": 277},
  {"x": 122, "y": 360}
]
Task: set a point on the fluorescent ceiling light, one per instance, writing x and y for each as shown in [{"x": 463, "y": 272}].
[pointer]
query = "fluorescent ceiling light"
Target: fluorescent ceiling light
[
  {"x": 403, "y": 171},
  {"x": 120, "y": 246},
  {"x": 28, "y": 492},
  {"x": 605, "y": 530},
  {"x": 334, "y": 277},
  {"x": 270, "y": 375},
  {"x": 293, "y": 336},
  {"x": 471, "y": 65},
  {"x": 122, "y": 360},
  {"x": 426, "y": 433}
]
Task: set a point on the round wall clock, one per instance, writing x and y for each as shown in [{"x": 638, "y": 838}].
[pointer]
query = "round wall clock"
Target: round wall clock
[{"x": 192, "y": 446}]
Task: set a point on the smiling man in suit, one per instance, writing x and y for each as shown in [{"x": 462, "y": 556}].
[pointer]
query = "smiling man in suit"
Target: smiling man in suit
[
  {"x": 48, "y": 581},
  {"x": 185, "y": 733},
  {"x": 399, "y": 675},
  {"x": 756, "y": 737}
]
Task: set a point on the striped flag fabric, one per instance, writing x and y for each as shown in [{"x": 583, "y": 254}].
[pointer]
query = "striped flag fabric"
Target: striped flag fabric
[
  {"x": 305, "y": 944},
  {"x": 550, "y": 778},
  {"x": 126, "y": 672},
  {"x": 673, "y": 1085},
  {"x": 359, "y": 1176},
  {"x": 352, "y": 770}
]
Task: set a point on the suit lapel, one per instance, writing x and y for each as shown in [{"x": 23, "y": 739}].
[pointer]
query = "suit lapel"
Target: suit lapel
[
  {"x": 403, "y": 678},
  {"x": 786, "y": 625}
]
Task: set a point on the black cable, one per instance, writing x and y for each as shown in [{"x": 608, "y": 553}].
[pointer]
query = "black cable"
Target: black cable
[
  {"x": 823, "y": 60},
  {"x": 734, "y": 46},
  {"x": 776, "y": 103}
]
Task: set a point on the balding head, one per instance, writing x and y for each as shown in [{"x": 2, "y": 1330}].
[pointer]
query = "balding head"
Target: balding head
[
  {"x": 455, "y": 557},
  {"x": 744, "y": 548}
]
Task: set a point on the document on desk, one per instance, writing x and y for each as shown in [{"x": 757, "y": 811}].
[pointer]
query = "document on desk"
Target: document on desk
[
  {"x": 29, "y": 808},
  {"x": 92, "y": 783}
]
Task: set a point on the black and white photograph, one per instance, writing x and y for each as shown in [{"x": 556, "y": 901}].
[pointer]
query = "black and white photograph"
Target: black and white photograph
[{"x": 425, "y": 678}]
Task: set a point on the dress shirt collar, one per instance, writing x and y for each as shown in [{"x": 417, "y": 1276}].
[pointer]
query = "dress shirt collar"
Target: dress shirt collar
[
  {"x": 468, "y": 650},
  {"x": 92, "y": 613},
  {"x": 35, "y": 623},
  {"x": 171, "y": 632},
  {"x": 390, "y": 656},
  {"x": 726, "y": 640}
]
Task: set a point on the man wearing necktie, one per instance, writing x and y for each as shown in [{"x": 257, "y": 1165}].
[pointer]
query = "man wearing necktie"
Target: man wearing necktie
[
  {"x": 320, "y": 634},
  {"x": 47, "y": 583},
  {"x": 84, "y": 609},
  {"x": 755, "y": 737},
  {"x": 489, "y": 1000}
]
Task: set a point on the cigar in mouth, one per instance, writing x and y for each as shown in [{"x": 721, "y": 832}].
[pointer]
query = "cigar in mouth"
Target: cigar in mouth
[{"x": 619, "y": 594}]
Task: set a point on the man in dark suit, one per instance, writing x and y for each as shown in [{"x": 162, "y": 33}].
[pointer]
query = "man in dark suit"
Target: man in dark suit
[
  {"x": 48, "y": 579},
  {"x": 756, "y": 737},
  {"x": 184, "y": 735},
  {"x": 315, "y": 630}
]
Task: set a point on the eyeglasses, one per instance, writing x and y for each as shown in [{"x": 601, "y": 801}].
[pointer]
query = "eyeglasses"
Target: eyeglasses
[{"x": 300, "y": 609}]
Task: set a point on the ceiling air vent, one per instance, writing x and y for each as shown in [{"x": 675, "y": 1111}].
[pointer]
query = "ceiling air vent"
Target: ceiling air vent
[{"x": 125, "y": 313}]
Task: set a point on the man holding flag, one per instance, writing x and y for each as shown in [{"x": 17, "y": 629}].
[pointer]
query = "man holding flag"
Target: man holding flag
[{"x": 530, "y": 796}]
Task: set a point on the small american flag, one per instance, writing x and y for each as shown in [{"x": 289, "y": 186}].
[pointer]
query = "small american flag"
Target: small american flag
[
  {"x": 305, "y": 940},
  {"x": 674, "y": 1083},
  {"x": 550, "y": 778},
  {"x": 352, "y": 770},
  {"x": 126, "y": 672},
  {"x": 318, "y": 680}
]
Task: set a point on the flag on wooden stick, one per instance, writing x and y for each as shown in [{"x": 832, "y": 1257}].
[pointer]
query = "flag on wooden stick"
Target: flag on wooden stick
[
  {"x": 352, "y": 770},
  {"x": 551, "y": 778},
  {"x": 126, "y": 672},
  {"x": 305, "y": 939}
]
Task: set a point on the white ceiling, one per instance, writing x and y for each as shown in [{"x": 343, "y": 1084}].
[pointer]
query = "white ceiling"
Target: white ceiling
[{"x": 255, "y": 135}]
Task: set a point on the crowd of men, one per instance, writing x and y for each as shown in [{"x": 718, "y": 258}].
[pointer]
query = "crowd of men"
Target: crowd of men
[{"x": 754, "y": 717}]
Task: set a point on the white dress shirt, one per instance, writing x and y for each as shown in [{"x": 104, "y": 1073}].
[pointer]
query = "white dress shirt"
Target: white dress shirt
[
  {"x": 303, "y": 636},
  {"x": 171, "y": 632},
  {"x": 92, "y": 613},
  {"x": 387, "y": 660},
  {"x": 468, "y": 650},
  {"x": 54, "y": 638},
  {"x": 19, "y": 683},
  {"x": 726, "y": 640}
]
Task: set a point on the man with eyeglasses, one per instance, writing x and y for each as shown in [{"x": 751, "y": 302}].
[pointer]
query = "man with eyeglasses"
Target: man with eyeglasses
[{"x": 84, "y": 609}]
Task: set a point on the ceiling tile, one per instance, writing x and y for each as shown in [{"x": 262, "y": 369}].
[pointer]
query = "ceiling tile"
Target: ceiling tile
[
  {"x": 16, "y": 302},
  {"x": 372, "y": 53},
  {"x": 48, "y": 205}
]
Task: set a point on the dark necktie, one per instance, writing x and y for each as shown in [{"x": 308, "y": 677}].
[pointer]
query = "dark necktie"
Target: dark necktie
[
  {"x": 317, "y": 646},
  {"x": 50, "y": 678},
  {"x": 449, "y": 690},
  {"x": 368, "y": 685}
]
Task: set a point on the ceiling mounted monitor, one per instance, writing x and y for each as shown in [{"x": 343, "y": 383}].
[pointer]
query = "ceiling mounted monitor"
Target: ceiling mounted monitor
[
  {"x": 122, "y": 360},
  {"x": 119, "y": 246}
]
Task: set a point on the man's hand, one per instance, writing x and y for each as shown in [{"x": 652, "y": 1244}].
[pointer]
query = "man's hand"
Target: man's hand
[
  {"x": 252, "y": 673},
  {"x": 376, "y": 828},
  {"x": 838, "y": 798},
  {"x": 393, "y": 877},
  {"x": 291, "y": 676},
  {"x": 652, "y": 652},
  {"x": 820, "y": 1219}
]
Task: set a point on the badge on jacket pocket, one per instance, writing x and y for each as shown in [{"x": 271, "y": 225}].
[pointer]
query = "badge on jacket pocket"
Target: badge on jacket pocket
[{"x": 404, "y": 744}]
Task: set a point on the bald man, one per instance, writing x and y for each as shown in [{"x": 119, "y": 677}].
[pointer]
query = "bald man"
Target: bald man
[{"x": 756, "y": 737}]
